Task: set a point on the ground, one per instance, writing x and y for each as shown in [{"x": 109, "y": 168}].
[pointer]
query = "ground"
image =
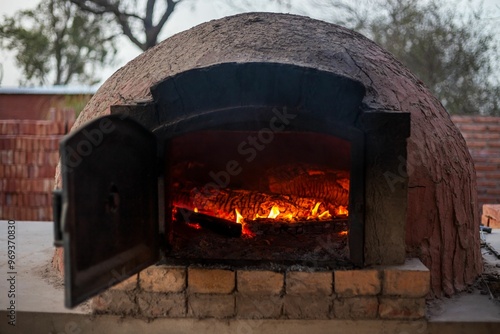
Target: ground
[{"x": 39, "y": 300}]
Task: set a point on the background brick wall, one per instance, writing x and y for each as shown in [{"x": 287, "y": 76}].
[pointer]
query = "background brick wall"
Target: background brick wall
[
  {"x": 29, "y": 152},
  {"x": 482, "y": 134}
]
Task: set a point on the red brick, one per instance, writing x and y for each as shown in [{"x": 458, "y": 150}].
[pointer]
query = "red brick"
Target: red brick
[
  {"x": 258, "y": 306},
  {"x": 9, "y": 127},
  {"x": 115, "y": 302},
  {"x": 472, "y": 127},
  {"x": 309, "y": 283},
  {"x": 400, "y": 308},
  {"x": 201, "y": 280},
  {"x": 486, "y": 167},
  {"x": 481, "y": 135},
  {"x": 7, "y": 157},
  {"x": 487, "y": 183},
  {"x": 412, "y": 279},
  {"x": 259, "y": 282},
  {"x": 357, "y": 282},
  {"x": 307, "y": 307},
  {"x": 154, "y": 305},
  {"x": 211, "y": 306},
  {"x": 27, "y": 128},
  {"x": 355, "y": 308},
  {"x": 127, "y": 285},
  {"x": 19, "y": 157},
  {"x": 163, "y": 279}
]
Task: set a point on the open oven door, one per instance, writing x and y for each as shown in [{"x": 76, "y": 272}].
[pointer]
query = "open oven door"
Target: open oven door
[{"x": 107, "y": 220}]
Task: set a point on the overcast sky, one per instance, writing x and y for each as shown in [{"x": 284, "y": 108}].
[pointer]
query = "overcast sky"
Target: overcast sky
[{"x": 184, "y": 17}]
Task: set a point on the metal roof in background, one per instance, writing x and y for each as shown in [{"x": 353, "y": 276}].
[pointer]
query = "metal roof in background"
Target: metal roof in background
[{"x": 54, "y": 90}]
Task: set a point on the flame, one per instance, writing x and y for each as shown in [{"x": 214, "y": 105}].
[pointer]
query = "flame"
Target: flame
[
  {"x": 239, "y": 217},
  {"x": 195, "y": 210},
  {"x": 325, "y": 215},
  {"x": 275, "y": 211},
  {"x": 343, "y": 233},
  {"x": 314, "y": 211},
  {"x": 342, "y": 211}
]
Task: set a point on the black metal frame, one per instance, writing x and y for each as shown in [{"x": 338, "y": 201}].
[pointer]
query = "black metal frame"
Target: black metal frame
[{"x": 243, "y": 118}]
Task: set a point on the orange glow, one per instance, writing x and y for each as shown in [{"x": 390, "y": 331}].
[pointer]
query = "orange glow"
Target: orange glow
[
  {"x": 195, "y": 210},
  {"x": 244, "y": 229},
  {"x": 342, "y": 211},
  {"x": 343, "y": 233}
]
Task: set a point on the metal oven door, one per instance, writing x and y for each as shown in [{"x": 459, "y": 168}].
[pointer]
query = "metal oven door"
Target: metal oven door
[{"x": 107, "y": 220}]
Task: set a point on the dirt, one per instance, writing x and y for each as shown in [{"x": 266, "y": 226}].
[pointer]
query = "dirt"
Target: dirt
[
  {"x": 52, "y": 277},
  {"x": 489, "y": 281}
]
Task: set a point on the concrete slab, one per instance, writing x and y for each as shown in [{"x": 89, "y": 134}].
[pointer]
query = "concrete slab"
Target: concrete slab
[
  {"x": 37, "y": 287},
  {"x": 493, "y": 239},
  {"x": 39, "y": 304}
]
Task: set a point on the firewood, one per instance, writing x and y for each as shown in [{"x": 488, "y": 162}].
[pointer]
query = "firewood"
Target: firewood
[
  {"x": 327, "y": 185},
  {"x": 250, "y": 204},
  {"x": 215, "y": 224}
]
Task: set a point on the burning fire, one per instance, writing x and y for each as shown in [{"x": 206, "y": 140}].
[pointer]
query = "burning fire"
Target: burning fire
[{"x": 240, "y": 220}]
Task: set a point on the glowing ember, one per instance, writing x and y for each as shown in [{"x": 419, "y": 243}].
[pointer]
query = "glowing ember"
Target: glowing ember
[
  {"x": 342, "y": 211},
  {"x": 343, "y": 233},
  {"x": 195, "y": 210},
  {"x": 196, "y": 226}
]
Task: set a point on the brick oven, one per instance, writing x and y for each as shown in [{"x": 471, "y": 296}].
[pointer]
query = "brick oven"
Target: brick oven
[{"x": 246, "y": 188}]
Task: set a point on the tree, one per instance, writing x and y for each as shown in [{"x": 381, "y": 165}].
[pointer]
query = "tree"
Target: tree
[
  {"x": 454, "y": 53},
  {"x": 133, "y": 20},
  {"x": 57, "y": 43}
]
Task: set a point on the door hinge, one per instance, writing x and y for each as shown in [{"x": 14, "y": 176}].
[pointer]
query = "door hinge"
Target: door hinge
[{"x": 57, "y": 212}]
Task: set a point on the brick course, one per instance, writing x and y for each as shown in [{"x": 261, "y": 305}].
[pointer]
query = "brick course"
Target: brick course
[{"x": 388, "y": 292}]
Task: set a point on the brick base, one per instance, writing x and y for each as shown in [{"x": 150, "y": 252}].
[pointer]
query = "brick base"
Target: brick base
[{"x": 388, "y": 292}]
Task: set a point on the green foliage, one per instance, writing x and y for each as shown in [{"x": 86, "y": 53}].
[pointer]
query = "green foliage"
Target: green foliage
[
  {"x": 58, "y": 44},
  {"x": 455, "y": 53}
]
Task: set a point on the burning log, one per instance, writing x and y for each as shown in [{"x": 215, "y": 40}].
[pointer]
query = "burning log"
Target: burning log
[
  {"x": 254, "y": 204},
  {"x": 215, "y": 224},
  {"x": 331, "y": 186}
]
